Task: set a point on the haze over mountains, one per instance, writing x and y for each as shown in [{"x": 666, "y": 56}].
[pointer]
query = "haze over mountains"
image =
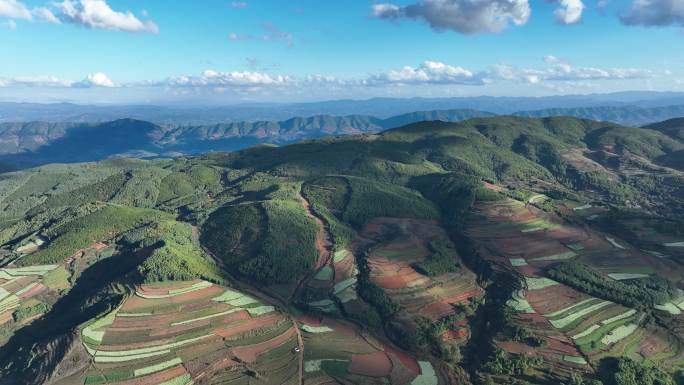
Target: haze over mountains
[
  {"x": 626, "y": 107},
  {"x": 35, "y": 134}
]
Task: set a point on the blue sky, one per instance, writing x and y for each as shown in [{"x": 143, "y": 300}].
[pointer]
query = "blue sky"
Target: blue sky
[{"x": 217, "y": 51}]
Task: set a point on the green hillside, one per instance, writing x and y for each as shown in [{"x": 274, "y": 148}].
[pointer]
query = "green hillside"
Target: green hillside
[{"x": 492, "y": 251}]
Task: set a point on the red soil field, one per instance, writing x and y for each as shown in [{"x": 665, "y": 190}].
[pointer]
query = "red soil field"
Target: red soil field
[
  {"x": 458, "y": 298},
  {"x": 309, "y": 320},
  {"x": 389, "y": 282},
  {"x": 553, "y": 298},
  {"x": 560, "y": 345},
  {"x": 250, "y": 353},
  {"x": 651, "y": 346},
  {"x": 372, "y": 365},
  {"x": 247, "y": 325},
  {"x": 197, "y": 306},
  {"x": 533, "y": 319},
  {"x": 568, "y": 234},
  {"x": 5, "y": 317},
  {"x": 409, "y": 362},
  {"x": 437, "y": 310},
  {"x": 209, "y": 359},
  {"x": 455, "y": 335},
  {"x": 179, "y": 329},
  {"x": 18, "y": 284},
  {"x": 529, "y": 271},
  {"x": 156, "y": 378},
  {"x": 132, "y": 304},
  {"x": 212, "y": 291},
  {"x": 135, "y": 345},
  {"x": 145, "y": 322},
  {"x": 400, "y": 373},
  {"x": 323, "y": 243},
  {"x": 34, "y": 291},
  {"x": 516, "y": 347},
  {"x": 493, "y": 187}
]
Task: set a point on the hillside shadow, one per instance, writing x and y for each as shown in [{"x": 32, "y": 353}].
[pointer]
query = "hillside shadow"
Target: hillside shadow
[
  {"x": 26, "y": 355},
  {"x": 89, "y": 143}
]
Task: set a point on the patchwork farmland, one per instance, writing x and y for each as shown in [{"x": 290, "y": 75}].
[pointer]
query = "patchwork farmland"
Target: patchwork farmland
[
  {"x": 195, "y": 331},
  {"x": 572, "y": 329},
  {"x": 28, "y": 292},
  {"x": 397, "y": 248},
  {"x": 339, "y": 351}
]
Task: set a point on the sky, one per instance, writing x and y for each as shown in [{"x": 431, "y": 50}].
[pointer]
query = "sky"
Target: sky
[{"x": 226, "y": 52}]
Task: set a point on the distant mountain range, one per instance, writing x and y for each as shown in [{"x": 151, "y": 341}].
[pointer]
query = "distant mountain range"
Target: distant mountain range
[
  {"x": 382, "y": 108},
  {"x": 29, "y": 144},
  {"x": 34, "y": 143}
]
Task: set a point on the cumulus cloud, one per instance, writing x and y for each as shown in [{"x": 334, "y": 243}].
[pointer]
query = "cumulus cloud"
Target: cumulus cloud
[
  {"x": 97, "y": 79},
  {"x": 14, "y": 9},
  {"x": 429, "y": 72},
  {"x": 97, "y": 14},
  {"x": 655, "y": 13},
  {"x": 45, "y": 14},
  {"x": 211, "y": 78},
  {"x": 239, "y": 4},
  {"x": 464, "y": 16},
  {"x": 272, "y": 33},
  {"x": 569, "y": 11}
]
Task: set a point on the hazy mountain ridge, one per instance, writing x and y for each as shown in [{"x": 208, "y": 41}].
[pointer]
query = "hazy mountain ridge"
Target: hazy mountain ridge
[
  {"x": 34, "y": 143},
  {"x": 38, "y": 143},
  {"x": 627, "y": 115},
  {"x": 379, "y": 107}
]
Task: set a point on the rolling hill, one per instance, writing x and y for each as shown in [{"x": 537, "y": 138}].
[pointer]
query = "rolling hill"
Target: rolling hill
[{"x": 496, "y": 250}]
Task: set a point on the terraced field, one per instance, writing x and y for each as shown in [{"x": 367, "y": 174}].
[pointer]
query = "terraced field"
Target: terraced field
[
  {"x": 195, "y": 331},
  {"x": 396, "y": 247},
  {"x": 576, "y": 329},
  {"x": 27, "y": 293},
  {"x": 339, "y": 351}
]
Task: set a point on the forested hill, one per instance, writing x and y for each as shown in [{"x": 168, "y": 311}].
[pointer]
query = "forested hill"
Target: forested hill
[{"x": 481, "y": 252}]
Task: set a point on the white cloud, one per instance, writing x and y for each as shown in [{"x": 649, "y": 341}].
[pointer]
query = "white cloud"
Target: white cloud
[
  {"x": 464, "y": 16},
  {"x": 211, "y": 78},
  {"x": 97, "y": 14},
  {"x": 429, "y": 72},
  {"x": 45, "y": 14},
  {"x": 14, "y": 9},
  {"x": 47, "y": 81},
  {"x": 239, "y": 4},
  {"x": 569, "y": 11},
  {"x": 655, "y": 13},
  {"x": 551, "y": 59},
  {"x": 97, "y": 79},
  {"x": 35, "y": 81}
]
